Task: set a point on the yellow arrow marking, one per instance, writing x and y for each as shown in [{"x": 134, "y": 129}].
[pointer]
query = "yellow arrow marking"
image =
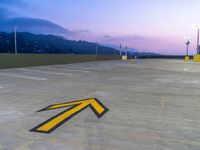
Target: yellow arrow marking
[{"x": 77, "y": 106}]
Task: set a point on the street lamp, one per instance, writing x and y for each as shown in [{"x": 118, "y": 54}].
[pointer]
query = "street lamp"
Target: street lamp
[
  {"x": 187, "y": 42},
  {"x": 120, "y": 52},
  {"x": 15, "y": 36},
  {"x": 126, "y": 51},
  {"x": 187, "y": 47},
  {"x": 196, "y": 57},
  {"x": 96, "y": 48},
  {"x": 198, "y": 27}
]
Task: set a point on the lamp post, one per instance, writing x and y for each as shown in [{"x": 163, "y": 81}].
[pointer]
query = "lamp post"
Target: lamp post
[
  {"x": 15, "y": 36},
  {"x": 126, "y": 51},
  {"x": 96, "y": 48},
  {"x": 196, "y": 57},
  {"x": 187, "y": 47},
  {"x": 120, "y": 51},
  {"x": 187, "y": 43},
  {"x": 197, "y": 26}
]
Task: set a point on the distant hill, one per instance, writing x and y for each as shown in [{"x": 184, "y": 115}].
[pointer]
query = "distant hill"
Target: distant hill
[
  {"x": 41, "y": 26},
  {"x": 33, "y": 25},
  {"x": 33, "y": 43}
]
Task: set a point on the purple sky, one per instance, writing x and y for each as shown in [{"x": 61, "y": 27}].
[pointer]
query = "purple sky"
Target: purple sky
[{"x": 147, "y": 25}]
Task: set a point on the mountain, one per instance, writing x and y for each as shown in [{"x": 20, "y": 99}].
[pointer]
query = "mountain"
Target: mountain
[
  {"x": 32, "y": 43},
  {"x": 33, "y": 25},
  {"x": 45, "y": 27}
]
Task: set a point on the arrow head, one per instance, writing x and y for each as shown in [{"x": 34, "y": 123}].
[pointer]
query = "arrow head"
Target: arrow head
[{"x": 98, "y": 108}]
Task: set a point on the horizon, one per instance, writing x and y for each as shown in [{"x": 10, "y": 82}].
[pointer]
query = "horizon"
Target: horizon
[{"x": 151, "y": 26}]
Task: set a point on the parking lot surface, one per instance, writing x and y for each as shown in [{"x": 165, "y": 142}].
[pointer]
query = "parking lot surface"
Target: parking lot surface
[{"x": 153, "y": 104}]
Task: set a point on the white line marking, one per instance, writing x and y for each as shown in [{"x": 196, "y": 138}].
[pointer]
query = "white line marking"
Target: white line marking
[
  {"x": 74, "y": 70},
  {"x": 84, "y": 68},
  {"x": 67, "y": 69},
  {"x": 21, "y": 76},
  {"x": 47, "y": 72}
]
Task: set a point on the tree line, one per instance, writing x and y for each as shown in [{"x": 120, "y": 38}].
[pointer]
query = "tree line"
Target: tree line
[{"x": 32, "y": 43}]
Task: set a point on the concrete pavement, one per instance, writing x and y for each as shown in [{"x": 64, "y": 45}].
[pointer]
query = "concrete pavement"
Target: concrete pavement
[{"x": 153, "y": 104}]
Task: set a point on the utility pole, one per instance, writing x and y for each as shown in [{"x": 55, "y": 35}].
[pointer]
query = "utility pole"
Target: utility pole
[
  {"x": 187, "y": 47},
  {"x": 15, "y": 36},
  {"x": 96, "y": 48},
  {"x": 187, "y": 42},
  {"x": 126, "y": 51},
  {"x": 198, "y": 40},
  {"x": 120, "y": 50}
]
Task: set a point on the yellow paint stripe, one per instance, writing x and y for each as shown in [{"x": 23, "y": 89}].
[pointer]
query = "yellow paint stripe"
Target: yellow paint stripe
[
  {"x": 56, "y": 121},
  {"x": 48, "y": 126},
  {"x": 63, "y": 105},
  {"x": 98, "y": 107},
  {"x": 70, "y": 104}
]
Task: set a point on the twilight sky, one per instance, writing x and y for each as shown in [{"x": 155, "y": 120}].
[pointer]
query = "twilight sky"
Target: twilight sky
[{"x": 147, "y": 25}]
